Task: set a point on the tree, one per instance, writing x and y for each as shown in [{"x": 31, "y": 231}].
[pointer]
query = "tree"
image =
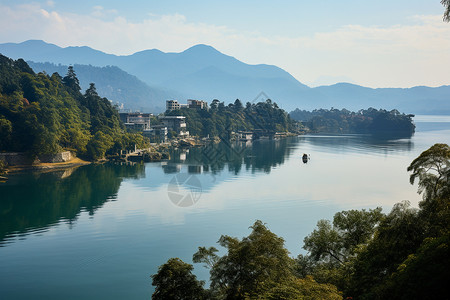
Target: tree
[
  {"x": 258, "y": 267},
  {"x": 175, "y": 280},
  {"x": 214, "y": 105},
  {"x": 432, "y": 168},
  {"x": 325, "y": 243},
  {"x": 71, "y": 81},
  {"x": 446, "y": 4},
  {"x": 238, "y": 105},
  {"x": 207, "y": 256},
  {"x": 252, "y": 264},
  {"x": 335, "y": 244},
  {"x": 423, "y": 275},
  {"x": 357, "y": 227},
  {"x": 399, "y": 234}
]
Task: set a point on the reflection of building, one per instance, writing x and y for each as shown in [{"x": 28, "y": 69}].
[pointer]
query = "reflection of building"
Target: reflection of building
[
  {"x": 194, "y": 169},
  {"x": 171, "y": 168},
  {"x": 175, "y": 123},
  {"x": 136, "y": 121},
  {"x": 245, "y": 135}
]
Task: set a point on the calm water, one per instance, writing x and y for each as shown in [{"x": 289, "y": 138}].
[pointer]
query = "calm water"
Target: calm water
[{"x": 99, "y": 232}]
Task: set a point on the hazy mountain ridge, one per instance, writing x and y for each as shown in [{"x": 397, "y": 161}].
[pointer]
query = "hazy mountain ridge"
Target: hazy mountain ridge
[
  {"x": 115, "y": 84},
  {"x": 205, "y": 73}
]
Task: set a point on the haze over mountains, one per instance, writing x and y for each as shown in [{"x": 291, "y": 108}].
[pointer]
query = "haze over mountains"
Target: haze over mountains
[{"x": 202, "y": 72}]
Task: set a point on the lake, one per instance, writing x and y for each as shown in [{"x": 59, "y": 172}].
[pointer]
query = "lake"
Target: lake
[{"x": 100, "y": 231}]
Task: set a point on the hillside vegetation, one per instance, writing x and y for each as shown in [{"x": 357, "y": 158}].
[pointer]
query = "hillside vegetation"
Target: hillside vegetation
[
  {"x": 363, "y": 121},
  {"x": 44, "y": 114},
  {"x": 223, "y": 119}
]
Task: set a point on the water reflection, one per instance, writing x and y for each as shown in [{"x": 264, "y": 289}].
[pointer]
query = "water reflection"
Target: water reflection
[
  {"x": 262, "y": 156},
  {"x": 32, "y": 202},
  {"x": 258, "y": 156},
  {"x": 360, "y": 143}
]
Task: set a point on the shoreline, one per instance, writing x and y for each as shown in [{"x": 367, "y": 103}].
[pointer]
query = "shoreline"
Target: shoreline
[{"x": 76, "y": 162}]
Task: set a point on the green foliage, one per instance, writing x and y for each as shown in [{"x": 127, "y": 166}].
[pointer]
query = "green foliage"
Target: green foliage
[
  {"x": 325, "y": 243},
  {"x": 222, "y": 120},
  {"x": 251, "y": 265},
  {"x": 423, "y": 275},
  {"x": 432, "y": 169},
  {"x": 363, "y": 121},
  {"x": 399, "y": 234},
  {"x": 42, "y": 114},
  {"x": 258, "y": 267},
  {"x": 335, "y": 244},
  {"x": 175, "y": 280}
]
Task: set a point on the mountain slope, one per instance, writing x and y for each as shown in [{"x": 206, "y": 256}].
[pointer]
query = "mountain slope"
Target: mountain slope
[
  {"x": 115, "y": 84},
  {"x": 203, "y": 72}
]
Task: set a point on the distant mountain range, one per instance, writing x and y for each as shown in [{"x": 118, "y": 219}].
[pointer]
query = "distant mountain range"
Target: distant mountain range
[{"x": 202, "y": 72}]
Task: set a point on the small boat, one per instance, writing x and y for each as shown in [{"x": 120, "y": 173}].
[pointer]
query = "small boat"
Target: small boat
[{"x": 305, "y": 158}]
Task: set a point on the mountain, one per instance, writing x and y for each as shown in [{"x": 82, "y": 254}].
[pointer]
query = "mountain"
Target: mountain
[
  {"x": 202, "y": 72},
  {"x": 115, "y": 84},
  {"x": 418, "y": 100}
]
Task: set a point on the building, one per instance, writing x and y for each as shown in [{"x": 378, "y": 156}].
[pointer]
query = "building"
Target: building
[
  {"x": 156, "y": 132},
  {"x": 136, "y": 120},
  {"x": 175, "y": 123},
  {"x": 199, "y": 104},
  {"x": 172, "y": 105},
  {"x": 191, "y": 103}
]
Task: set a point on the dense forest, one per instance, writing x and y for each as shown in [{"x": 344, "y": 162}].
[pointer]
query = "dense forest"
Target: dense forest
[
  {"x": 44, "y": 114},
  {"x": 363, "y": 121},
  {"x": 361, "y": 254},
  {"x": 221, "y": 118}
]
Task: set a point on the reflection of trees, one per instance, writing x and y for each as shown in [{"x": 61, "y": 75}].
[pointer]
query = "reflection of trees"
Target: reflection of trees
[
  {"x": 34, "y": 201},
  {"x": 258, "y": 156},
  {"x": 362, "y": 143}
]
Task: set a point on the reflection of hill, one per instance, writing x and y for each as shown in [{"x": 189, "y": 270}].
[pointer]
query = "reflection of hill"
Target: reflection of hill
[
  {"x": 33, "y": 201},
  {"x": 359, "y": 143}
]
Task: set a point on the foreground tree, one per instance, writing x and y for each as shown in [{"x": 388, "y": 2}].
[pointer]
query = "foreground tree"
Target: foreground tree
[
  {"x": 175, "y": 280},
  {"x": 335, "y": 243},
  {"x": 258, "y": 267},
  {"x": 432, "y": 170}
]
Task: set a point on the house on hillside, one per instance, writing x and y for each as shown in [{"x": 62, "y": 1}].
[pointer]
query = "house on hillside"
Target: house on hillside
[
  {"x": 136, "y": 120},
  {"x": 175, "y": 123},
  {"x": 191, "y": 103}
]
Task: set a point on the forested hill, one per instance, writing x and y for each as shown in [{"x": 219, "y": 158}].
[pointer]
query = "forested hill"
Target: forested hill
[
  {"x": 44, "y": 114},
  {"x": 363, "y": 121}
]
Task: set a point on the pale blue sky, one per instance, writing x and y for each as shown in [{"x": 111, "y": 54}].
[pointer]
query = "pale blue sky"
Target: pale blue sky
[{"x": 381, "y": 43}]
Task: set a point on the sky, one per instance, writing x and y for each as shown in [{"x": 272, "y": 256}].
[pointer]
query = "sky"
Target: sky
[{"x": 383, "y": 43}]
